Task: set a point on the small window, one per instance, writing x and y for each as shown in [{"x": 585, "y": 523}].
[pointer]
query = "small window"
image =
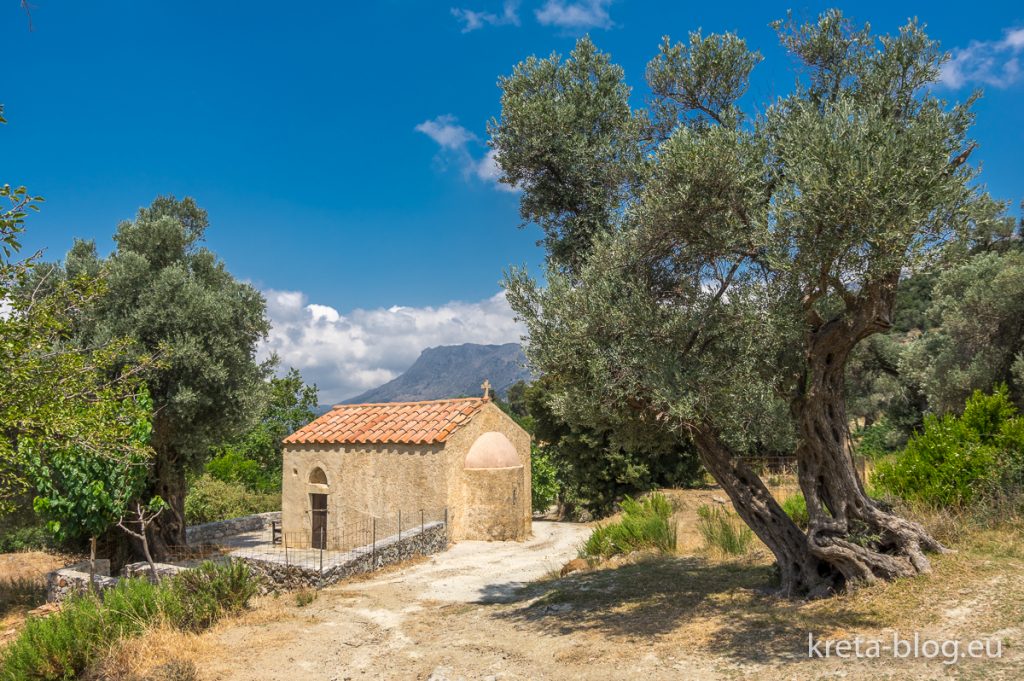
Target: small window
[{"x": 317, "y": 476}]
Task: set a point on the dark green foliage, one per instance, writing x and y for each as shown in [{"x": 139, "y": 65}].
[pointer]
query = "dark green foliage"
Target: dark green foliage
[
  {"x": 957, "y": 459},
  {"x": 598, "y": 468},
  {"x": 254, "y": 459},
  {"x": 29, "y": 538},
  {"x": 544, "y": 483},
  {"x": 645, "y": 524},
  {"x": 877, "y": 440},
  {"x": 63, "y": 645},
  {"x": 977, "y": 339},
  {"x": 210, "y": 499},
  {"x": 724, "y": 531}
]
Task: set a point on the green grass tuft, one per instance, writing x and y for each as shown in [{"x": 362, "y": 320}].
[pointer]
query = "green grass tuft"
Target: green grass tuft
[
  {"x": 724, "y": 531},
  {"x": 645, "y": 524}
]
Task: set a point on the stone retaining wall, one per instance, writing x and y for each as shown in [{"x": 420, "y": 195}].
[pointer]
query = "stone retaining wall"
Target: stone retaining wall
[
  {"x": 210, "y": 532},
  {"x": 432, "y": 538},
  {"x": 74, "y": 579}
]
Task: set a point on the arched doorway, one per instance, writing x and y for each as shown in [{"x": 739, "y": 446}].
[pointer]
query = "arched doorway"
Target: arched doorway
[{"x": 318, "y": 509}]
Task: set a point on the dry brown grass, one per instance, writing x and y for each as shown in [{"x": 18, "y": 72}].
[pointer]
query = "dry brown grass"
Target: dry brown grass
[
  {"x": 30, "y": 563},
  {"x": 142, "y": 657},
  {"x": 149, "y": 656},
  {"x": 23, "y": 586},
  {"x": 708, "y": 605}
]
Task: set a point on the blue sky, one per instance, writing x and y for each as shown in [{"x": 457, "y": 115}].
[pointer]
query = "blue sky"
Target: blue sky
[{"x": 340, "y": 147}]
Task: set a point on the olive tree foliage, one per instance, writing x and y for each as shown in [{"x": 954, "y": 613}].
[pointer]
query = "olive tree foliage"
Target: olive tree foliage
[
  {"x": 717, "y": 269},
  {"x": 174, "y": 298},
  {"x": 978, "y": 338},
  {"x": 254, "y": 458},
  {"x": 54, "y": 394}
]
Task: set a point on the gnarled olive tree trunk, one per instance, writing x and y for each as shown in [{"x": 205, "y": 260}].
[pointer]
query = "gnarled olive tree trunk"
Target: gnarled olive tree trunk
[
  {"x": 801, "y": 572},
  {"x": 847, "y": 529},
  {"x": 850, "y": 538}
]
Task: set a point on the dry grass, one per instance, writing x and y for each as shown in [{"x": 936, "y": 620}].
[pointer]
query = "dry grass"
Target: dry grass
[
  {"x": 23, "y": 586},
  {"x": 725, "y": 607},
  {"x": 153, "y": 655},
  {"x": 143, "y": 657}
]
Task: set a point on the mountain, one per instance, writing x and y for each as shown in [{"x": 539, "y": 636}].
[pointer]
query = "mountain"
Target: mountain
[{"x": 453, "y": 371}]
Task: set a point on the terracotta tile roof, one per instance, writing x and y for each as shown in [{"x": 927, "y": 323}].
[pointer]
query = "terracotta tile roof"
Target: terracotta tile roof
[{"x": 388, "y": 423}]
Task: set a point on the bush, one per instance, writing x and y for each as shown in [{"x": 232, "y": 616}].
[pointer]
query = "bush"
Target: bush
[
  {"x": 544, "y": 485},
  {"x": 209, "y": 500},
  {"x": 796, "y": 508},
  {"x": 304, "y": 597},
  {"x": 65, "y": 644},
  {"x": 232, "y": 466},
  {"x": 724, "y": 531},
  {"x": 204, "y": 595},
  {"x": 645, "y": 524},
  {"x": 34, "y": 538},
  {"x": 877, "y": 440},
  {"x": 955, "y": 460}
]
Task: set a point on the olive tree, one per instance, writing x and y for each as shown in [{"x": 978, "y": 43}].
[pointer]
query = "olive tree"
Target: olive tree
[
  {"x": 175, "y": 300},
  {"x": 710, "y": 271}
]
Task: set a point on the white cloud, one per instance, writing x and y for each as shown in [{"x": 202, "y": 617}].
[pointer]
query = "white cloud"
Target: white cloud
[
  {"x": 446, "y": 131},
  {"x": 346, "y": 354},
  {"x": 473, "y": 20},
  {"x": 575, "y": 16},
  {"x": 455, "y": 142},
  {"x": 994, "y": 62}
]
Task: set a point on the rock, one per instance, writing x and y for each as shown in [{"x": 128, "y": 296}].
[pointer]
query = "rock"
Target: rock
[
  {"x": 719, "y": 500},
  {"x": 574, "y": 565},
  {"x": 44, "y": 610}
]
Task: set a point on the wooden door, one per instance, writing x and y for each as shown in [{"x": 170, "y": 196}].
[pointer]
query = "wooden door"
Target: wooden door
[{"x": 319, "y": 505}]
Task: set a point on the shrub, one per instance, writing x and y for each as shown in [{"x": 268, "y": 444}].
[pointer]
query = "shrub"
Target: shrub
[
  {"x": 954, "y": 460},
  {"x": 65, "y": 644},
  {"x": 33, "y": 538},
  {"x": 877, "y": 440},
  {"x": 204, "y": 595},
  {"x": 795, "y": 507},
  {"x": 724, "y": 531},
  {"x": 209, "y": 500},
  {"x": 544, "y": 485},
  {"x": 645, "y": 524},
  {"x": 232, "y": 466}
]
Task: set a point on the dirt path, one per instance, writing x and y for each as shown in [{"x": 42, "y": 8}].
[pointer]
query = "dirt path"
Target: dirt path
[
  {"x": 377, "y": 628},
  {"x": 476, "y": 612}
]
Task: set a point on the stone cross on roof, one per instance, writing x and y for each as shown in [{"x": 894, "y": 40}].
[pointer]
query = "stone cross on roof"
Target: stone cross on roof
[{"x": 486, "y": 385}]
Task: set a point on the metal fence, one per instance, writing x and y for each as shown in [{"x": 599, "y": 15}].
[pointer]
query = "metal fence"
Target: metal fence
[{"x": 358, "y": 538}]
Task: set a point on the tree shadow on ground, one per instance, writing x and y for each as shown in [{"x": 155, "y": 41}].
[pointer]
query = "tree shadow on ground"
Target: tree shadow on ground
[
  {"x": 21, "y": 593},
  {"x": 726, "y": 607}
]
